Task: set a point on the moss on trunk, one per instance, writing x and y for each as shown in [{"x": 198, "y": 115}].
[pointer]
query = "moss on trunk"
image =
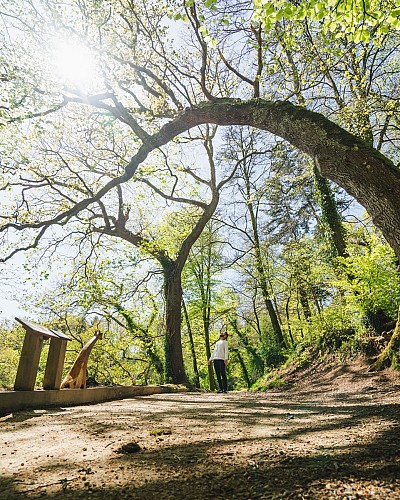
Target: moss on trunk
[{"x": 390, "y": 353}]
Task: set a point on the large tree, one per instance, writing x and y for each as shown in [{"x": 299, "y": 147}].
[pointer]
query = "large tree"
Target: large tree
[
  {"x": 171, "y": 255},
  {"x": 148, "y": 92}
]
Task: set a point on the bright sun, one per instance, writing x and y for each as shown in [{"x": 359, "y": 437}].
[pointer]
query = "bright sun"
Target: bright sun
[{"x": 75, "y": 64}]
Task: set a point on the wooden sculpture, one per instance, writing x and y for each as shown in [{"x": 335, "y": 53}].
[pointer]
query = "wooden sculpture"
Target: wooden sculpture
[{"x": 76, "y": 377}]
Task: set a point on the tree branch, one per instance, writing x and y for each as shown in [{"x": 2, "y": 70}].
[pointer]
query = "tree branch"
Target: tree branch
[{"x": 346, "y": 159}]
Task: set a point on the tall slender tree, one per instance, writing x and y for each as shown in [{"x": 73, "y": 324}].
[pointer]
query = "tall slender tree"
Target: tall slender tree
[{"x": 201, "y": 279}]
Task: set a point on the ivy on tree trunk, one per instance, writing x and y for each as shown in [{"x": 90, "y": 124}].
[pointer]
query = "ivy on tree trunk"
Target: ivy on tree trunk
[{"x": 385, "y": 359}]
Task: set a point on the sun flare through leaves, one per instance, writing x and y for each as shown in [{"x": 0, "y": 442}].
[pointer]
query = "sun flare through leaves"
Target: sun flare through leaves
[{"x": 75, "y": 64}]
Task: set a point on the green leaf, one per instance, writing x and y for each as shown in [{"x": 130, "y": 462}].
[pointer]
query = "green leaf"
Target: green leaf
[
  {"x": 288, "y": 11},
  {"x": 365, "y": 36}
]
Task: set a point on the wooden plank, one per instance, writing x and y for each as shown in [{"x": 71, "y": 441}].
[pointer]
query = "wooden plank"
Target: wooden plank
[
  {"x": 13, "y": 401},
  {"x": 54, "y": 364},
  {"x": 41, "y": 330},
  {"x": 28, "y": 362}
]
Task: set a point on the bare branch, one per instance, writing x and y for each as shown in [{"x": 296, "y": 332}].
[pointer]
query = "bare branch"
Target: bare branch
[{"x": 176, "y": 199}]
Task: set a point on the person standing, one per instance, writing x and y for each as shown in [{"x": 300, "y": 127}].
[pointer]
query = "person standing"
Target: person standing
[{"x": 220, "y": 358}]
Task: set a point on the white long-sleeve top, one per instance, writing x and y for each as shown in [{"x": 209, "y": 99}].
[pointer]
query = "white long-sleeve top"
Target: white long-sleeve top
[{"x": 220, "y": 350}]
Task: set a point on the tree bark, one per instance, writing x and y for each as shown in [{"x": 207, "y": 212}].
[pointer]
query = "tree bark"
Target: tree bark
[{"x": 174, "y": 366}]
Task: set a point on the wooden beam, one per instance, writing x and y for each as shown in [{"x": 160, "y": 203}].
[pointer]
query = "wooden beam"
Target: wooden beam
[
  {"x": 28, "y": 362},
  {"x": 54, "y": 364}
]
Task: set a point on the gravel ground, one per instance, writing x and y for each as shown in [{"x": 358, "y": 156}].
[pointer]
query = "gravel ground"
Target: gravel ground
[{"x": 334, "y": 434}]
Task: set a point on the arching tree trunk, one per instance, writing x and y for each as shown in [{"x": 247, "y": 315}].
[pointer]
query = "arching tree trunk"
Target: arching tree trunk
[{"x": 366, "y": 174}]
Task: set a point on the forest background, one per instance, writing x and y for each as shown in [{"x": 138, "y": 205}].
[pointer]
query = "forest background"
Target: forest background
[{"x": 127, "y": 214}]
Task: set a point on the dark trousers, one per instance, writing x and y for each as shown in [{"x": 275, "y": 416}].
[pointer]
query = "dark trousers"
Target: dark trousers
[{"x": 220, "y": 371}]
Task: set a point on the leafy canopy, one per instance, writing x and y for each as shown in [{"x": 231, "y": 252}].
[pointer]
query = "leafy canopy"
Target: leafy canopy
[{"x": 355, "y": 19}]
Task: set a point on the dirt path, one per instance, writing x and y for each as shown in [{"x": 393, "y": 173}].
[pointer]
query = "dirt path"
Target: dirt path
[{"x": 339, "y": 437}]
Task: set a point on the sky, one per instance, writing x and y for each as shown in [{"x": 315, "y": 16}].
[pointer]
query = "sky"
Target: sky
[
  {"x": 10, "y": 304},
  {"x": 13, "y": 282},
  {"x": 10, "y": 308}
]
